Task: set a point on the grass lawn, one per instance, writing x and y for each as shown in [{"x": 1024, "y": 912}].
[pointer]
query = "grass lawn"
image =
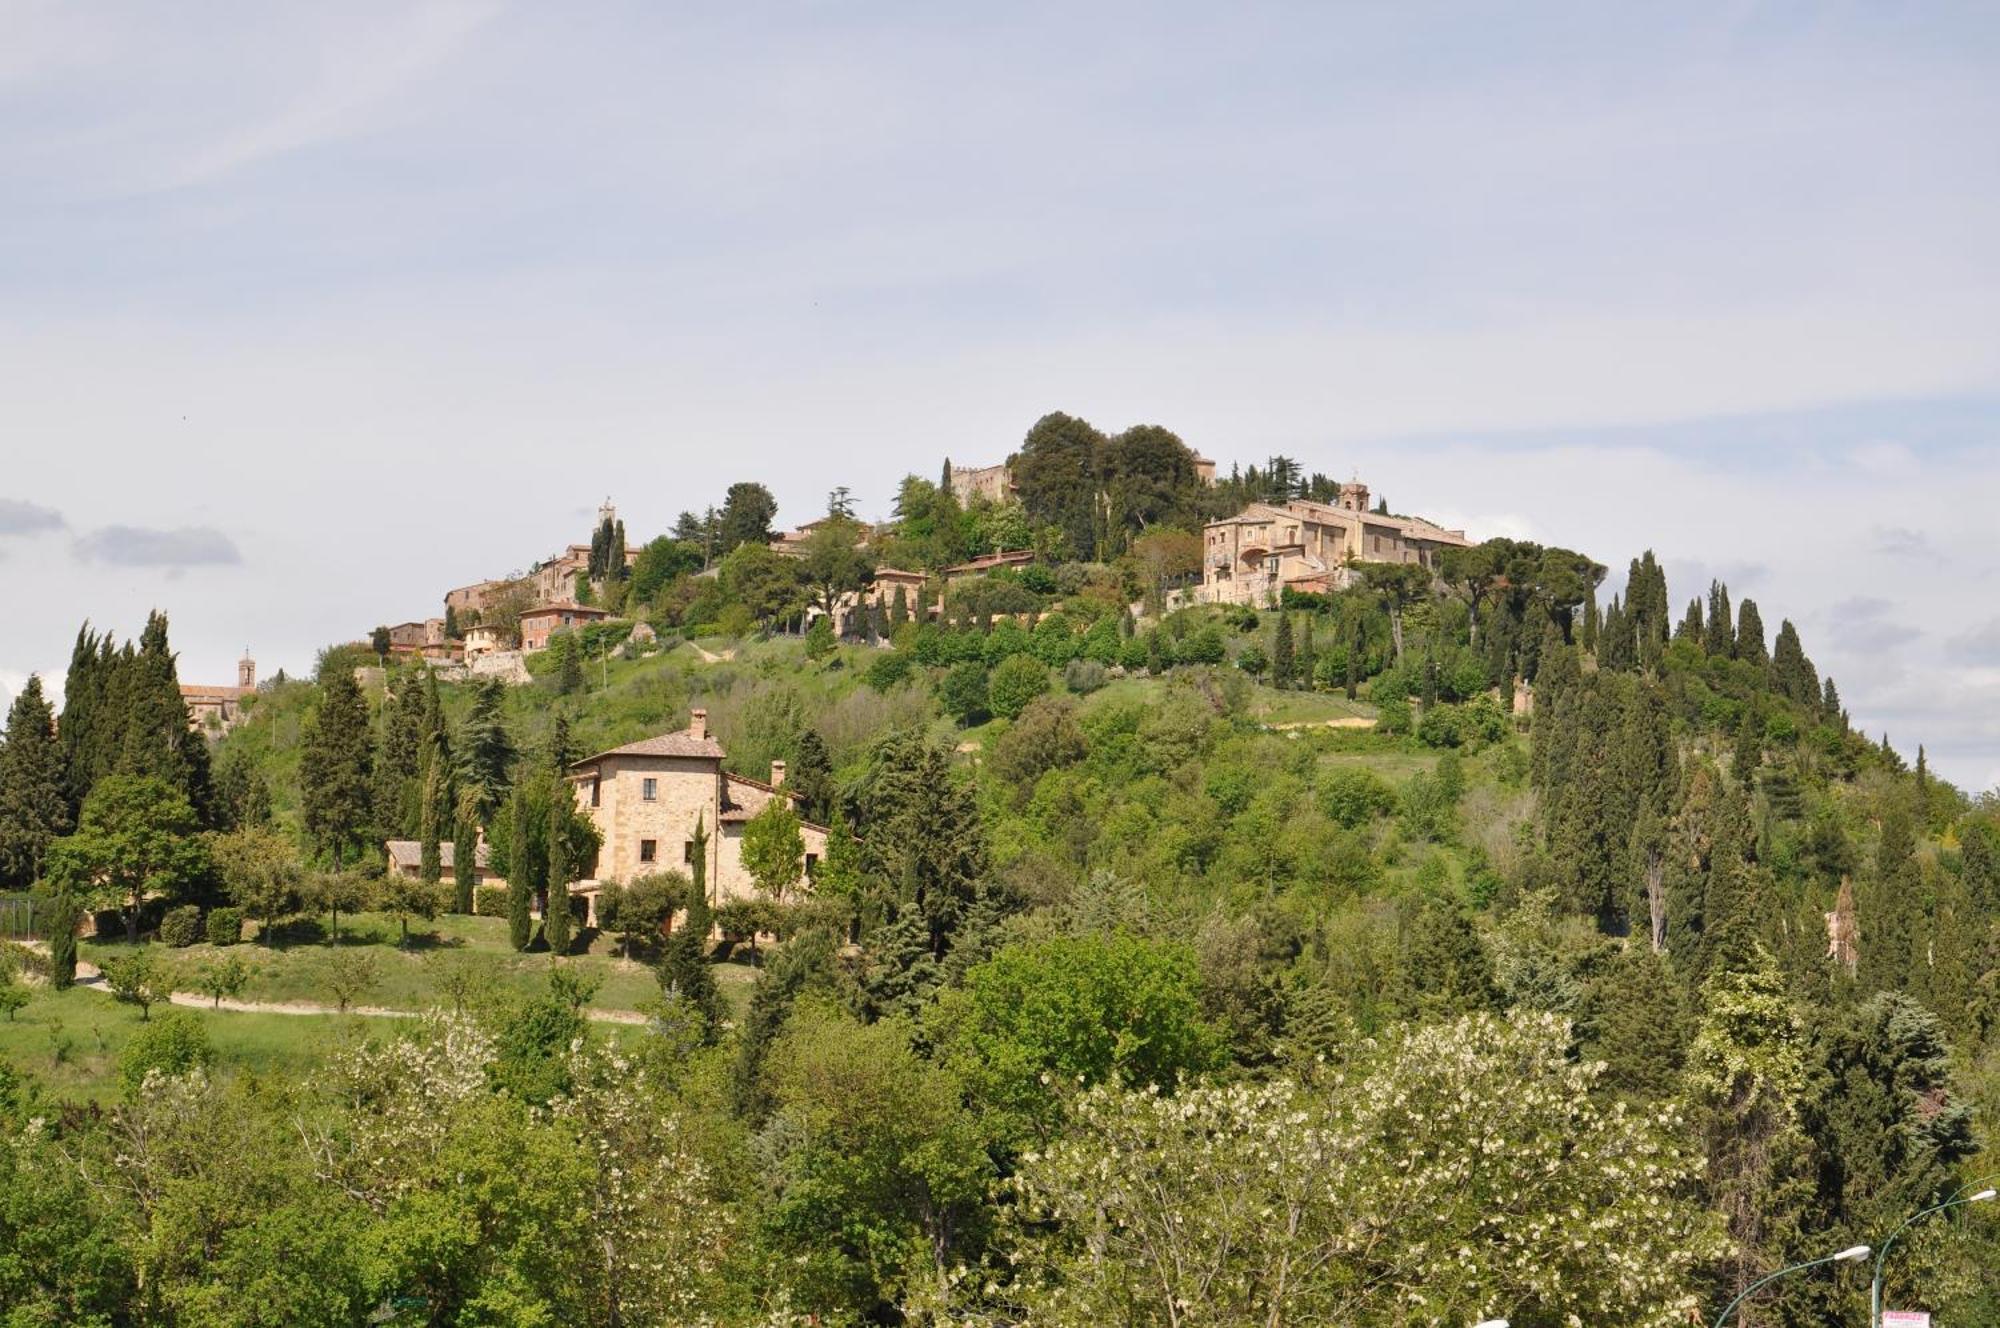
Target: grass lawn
[
  {"x": 295, "y": 968},
  {"x": 70, "y": 1040}
]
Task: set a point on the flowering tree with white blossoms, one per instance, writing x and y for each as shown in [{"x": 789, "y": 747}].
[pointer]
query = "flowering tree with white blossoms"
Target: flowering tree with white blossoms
[{"x": 1467, "y": 1173}]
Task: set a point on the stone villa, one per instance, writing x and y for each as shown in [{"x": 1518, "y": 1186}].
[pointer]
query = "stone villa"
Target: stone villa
[
  {"x": 1250, "y": 557},
  {"x": 406, "y": 858},
  {"x": 538, "y": 625},
  {"x": 647, "y": 797},
  {"x": 995, "y": 483}
]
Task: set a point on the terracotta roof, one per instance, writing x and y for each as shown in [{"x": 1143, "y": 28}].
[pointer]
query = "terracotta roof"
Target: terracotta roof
[
  {"x": 221, "y": 693},
  {"x": 410, "y": 853},
  {"x": 546, "y": 609},
  {"x": 666, "y": 744},
  {"x": 892, "y": 573},
  {"x": 734, "y": 814},
  {"x": 990, "y": 560}
]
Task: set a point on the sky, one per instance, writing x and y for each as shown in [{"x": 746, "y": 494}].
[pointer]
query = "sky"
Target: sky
[{"x": 311, "y": 312}]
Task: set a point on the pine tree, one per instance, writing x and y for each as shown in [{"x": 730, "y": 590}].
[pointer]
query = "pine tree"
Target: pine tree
[
  {"x": 334, "y": 762},
  {"x": 1282, "y": 658},
  {"x": 556, "y": 914},
  {"x": 33, "y": 805}
]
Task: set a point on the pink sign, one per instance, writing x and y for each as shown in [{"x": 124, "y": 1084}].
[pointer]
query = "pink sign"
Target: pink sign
[{"x": 1905, "y": 1319}]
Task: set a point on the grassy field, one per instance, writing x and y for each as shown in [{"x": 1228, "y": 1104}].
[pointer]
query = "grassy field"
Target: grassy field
[
  {"x": 295, "y": 970},
  {"x": 71, "y": 1040}
]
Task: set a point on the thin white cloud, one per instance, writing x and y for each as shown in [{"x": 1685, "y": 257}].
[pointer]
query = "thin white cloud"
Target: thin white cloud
[
  {"x": 361, "y": 71},
  {"x": 24, "y": 518}
]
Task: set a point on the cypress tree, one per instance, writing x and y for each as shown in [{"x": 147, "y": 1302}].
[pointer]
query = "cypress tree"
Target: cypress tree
[
  {"x": 60, "y": 924},
  {"x": 699, "y": 914},
  {"x": 1750, "y": 646},
  {"x": 465, "y": 849},
  {"x": 485, "y": 752},
  {"x": 520, "y": 888},
  {"x": 1308, "y": 657},
  {"x": 1592, "y": 623},
  {"x": 1749, "y": 749},
  {"x": 156, "y": 738},
  {"x": 431, "y": 824},
  {"x": 1830, "y": 702},
  {"x": 811, "y": 778},
  {"x": 1792, "y": 674},
  {"x": 34, "y": 808},
  {"x": 1282, "y": 658},
  {"x": 82, "y": 716},
  {"x": 899, "y": 609},
  {"x": 1721, "y": 640},
  {"x": 1353, "y": 673},
  {"x": 1429, "y": 690},
  {"x": 334, "y": 762},
  {"x": 399, "y": 760},
  {"x": 556, "y": 915},
  {"x": 1691, "y": 628}
]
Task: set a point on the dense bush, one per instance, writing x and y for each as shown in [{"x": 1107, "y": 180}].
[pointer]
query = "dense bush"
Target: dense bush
[
  {"x": 225, "y": 926},
  {"x": 1084, "y": 676},
  {"x": 1018, "y": 680},
  {"x": 490, "y": 901},
  {"x": 181, "y": 927},
  {"x": 175, "y": 1043}
]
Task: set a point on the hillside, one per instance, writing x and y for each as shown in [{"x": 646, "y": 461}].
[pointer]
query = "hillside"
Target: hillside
[{"x": 1554, "y": 881}]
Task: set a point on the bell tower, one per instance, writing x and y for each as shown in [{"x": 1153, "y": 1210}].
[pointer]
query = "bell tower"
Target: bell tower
[
  {"x": 1354, "y": 496},
  {"x": 246, "y": 672}
]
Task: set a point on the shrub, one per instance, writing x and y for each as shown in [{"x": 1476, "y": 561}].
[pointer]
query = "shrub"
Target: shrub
[
  {"x": 225, "y": 926},
  {"x": 175, "y": 1043},
  {"x": 1204, "y": 647},
  {"x": 1084, "y": 676},
  {"x": 888, "y": 670},
  {"x": 181, "y": 927},
  {"x": 490, "y": 901},
  {"x": 1393, "y": 715},
  {"x": 1018, "y": 680},
  {"x": 964, "y": 693},
  {"x": 1354, "y": 796}
]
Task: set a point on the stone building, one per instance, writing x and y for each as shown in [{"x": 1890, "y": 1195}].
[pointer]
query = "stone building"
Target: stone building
[
  {"x": 539, "y": 624},
  {"x": 993, "y": 483},
  {"x": 214, "y": 709},
  {"x": 647, "y": 797},
  {"x": 468, "y": 604},
  {"x": 483, "y": 639},
  {"x": 406, "y": 858},
  {"x": 1250, "y": 557}
]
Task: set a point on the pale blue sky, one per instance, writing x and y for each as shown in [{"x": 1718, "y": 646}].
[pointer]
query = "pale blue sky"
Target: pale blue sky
[{"x": 309, "y": 312}]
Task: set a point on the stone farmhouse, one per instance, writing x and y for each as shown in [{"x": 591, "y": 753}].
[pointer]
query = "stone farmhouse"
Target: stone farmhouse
[
  {"x": 646, "y": 799},
  {"x": 406, "y": 858},
  {"x": 216, "y": 709},
  {"x": 1250, "y": 557}
]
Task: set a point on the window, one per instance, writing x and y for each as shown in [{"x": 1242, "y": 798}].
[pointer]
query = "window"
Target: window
[
  {"x": 812, "y": 866},
  {"x": 596, "y": 789},
  {"x": 648, "y": 849},
  {"x": 649, "y": 790},
  {"x": 687, "y": 853}
]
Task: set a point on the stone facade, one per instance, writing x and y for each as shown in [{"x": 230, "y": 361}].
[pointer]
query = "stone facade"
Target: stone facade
[
  {"x": 406, "y": 858},
  {"x": 217, "y": 709},
  {"x": 993, "y": 483},
  {"x": 538, "y": 625},
  {"x": 646, "y": 798},
  {"x": 1252, "y": 556}
]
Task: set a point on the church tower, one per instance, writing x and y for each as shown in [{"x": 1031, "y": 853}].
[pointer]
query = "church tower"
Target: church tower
[
  {"x": 246, "y": 672},
  {"x": 1354, "y": 496}
]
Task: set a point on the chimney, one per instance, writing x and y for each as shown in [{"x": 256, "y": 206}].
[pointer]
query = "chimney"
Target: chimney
[
  {"x": 698, "y": 724},
  {"x": 777, "y": 774}
]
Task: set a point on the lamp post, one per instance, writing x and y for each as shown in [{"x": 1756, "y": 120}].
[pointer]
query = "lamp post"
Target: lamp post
[
  {"x": 1854, "y": 1255},
  {"x": 1875, "y": 1290}
]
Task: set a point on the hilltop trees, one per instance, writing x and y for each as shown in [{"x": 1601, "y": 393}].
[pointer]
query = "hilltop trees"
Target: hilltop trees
[
  {"x": 747, "y": 512},
  {"x": 33, "y": 806},
  {"x": 123, "y": 714}
]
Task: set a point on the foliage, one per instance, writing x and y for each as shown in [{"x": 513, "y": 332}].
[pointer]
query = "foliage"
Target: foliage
[
  {"x": 134, "y": 839},
  {"x": 181, "y": 926}
]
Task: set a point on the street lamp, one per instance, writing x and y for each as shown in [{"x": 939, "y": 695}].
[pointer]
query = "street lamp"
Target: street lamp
[
  {"x": 1854, "y": 1255},
  {"x": 1875, "y": 1291}
]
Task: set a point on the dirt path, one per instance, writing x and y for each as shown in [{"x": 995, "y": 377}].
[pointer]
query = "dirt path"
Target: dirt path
[
  {"x": 89, "y": 975},
  {"x": 710, "y": 657},
  {"x": 1339, "y": 722}
]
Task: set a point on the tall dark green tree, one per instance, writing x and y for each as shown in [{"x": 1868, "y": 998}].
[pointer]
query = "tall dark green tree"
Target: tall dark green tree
[
  {"x": 431, "y": 827},
  {"x": 1792, "y": 674},
  {"x": 484, "y": 751},
  {"x": 1056, "y": 473},
  {"x": 34, "y": 808},
  {"x": 465, "y": 849},
  {"x": 811, "y": 777},
  {"x": 398, "y": 768},
  {"x": 1750, "y": 646},
  {"x": 747, "y": 512},
  {"x": 1284, "y": 660},
  {"x": 555, "y": 913},
  {"x": 1308, "y": 654},
  {"x": 334, "y": 763},
  {"x": 524, "y": 869},
  {"x": 923, "y": 829}
]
